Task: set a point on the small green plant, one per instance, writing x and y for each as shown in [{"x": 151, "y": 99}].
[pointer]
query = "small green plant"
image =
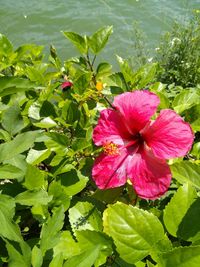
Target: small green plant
[{"x": 178, "y": 54}]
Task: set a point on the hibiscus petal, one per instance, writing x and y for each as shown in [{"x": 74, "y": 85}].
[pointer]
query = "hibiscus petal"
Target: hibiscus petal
[
  {"x": 137, "y": 108},
  {"x": 110, "y": 171},
  {"x": 110, "y": 128},
  {"x": 169, "y": 136},
  {"x": 149, "y": 175}
]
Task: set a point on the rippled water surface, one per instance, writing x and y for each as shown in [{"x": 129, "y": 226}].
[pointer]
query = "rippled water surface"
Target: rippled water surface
[{"x": 41, "y": 21}]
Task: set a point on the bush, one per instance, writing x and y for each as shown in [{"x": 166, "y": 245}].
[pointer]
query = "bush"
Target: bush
[
  {"x": 51, "y": 211},
  {"x": 178, "y": 54}
]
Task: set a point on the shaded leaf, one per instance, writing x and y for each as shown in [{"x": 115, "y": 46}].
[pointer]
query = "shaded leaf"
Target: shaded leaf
[
  {"x": 12, "y": 120},
  {"x": 178, "y": 207}
]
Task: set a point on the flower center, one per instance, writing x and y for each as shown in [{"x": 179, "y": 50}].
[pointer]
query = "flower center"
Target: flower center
[{"x": 111, "y": 149}]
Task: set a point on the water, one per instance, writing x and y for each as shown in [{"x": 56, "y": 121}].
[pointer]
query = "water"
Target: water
[{"x": 41, "y": 22}]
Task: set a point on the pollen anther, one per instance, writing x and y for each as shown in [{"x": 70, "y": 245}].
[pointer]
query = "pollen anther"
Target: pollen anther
[{"x": 111, "y": 149}]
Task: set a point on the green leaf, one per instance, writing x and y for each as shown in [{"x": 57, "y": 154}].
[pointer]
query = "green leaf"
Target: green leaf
[
  {"x": 31, "y": 198},
  {"x": 196, "y": 150},
  {"x": 73, "y": 181},
  {"x": 36, "y": 259},
  {"x": 178, "y": 207},
  {"x": 192, "y": 115},
  {"x": 57, "y": 142},
  {"x": 103, "y": 70},
  {"x": 35, "y": 74},
  {"x": 116, "y": 81},
  {"x": 134, "y": 231},
  {"x": 34, "y": 111},
  {"x": 12, "y": 85},
  {"x": 9, "y": 171},
  {"x": 85, "y": 259},
  {"x": 16, "y": 258},
  {"x": 164, "y": 100},
  {"x": 67, "y": 245},
  {"x": 46, "y": 123},
  {"x": 34, "y": 178},
  {"x": 60, "y": 197},
  {"x": 18, "y": 161},
  {"x": 144, "y": 75},
  {"x": 108, "y": 195},
  {"x": 81, "y": 83},
  {"x": 70, "y": 112},
  {"x": 185, "y": 100},
  {"x": 57, "y": 261},
  {"x": 8, "y": 205},
  {"x": 36, "y": 156},
  {"x": 189, "y": 228},
  {"x": 84, "y": 216},
  {"x": 79, "y": 144},
  {"x": 99, "y": 39},
  {"x": 8, "y": 228},
  {"x": 18, "y": 145},
  {"x": 79, "y": 41},
  {"x": 91, "y": 239},
  {"x": 125, "y": 69},
  {"x": 4, "y": 135},
  {"x": 12, "y": 120},
  {"x": 50, "y": 230},
  {"x": 181, "y": 257},
  {"x": 184, "y": 207},
  {"x": 149, "y": 264},
  {"x": 40, "y": 212},
  {"x": 186, "y": 172},
  {"x": 5, "y": 45}
]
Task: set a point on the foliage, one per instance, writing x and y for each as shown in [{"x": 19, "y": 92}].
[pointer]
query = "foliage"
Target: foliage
[
  {"x": 178, "y": 54},
  {"x": 51, "y": 212}
]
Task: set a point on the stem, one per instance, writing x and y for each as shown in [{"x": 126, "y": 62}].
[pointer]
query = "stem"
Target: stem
[
  {"x": 108, "y": 101},
  {"x": 91, "y": 66},
  {"x": 93, "y": 60}
]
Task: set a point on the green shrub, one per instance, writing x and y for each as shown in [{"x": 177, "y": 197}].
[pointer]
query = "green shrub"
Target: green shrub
[{"x": 178, "y": 54}]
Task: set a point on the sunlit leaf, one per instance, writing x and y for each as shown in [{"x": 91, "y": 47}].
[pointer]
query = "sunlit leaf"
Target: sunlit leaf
[
  {"x": 18, "y": 145},
  {"x": 84, "y": 215},
  {"x": 181, "y": 257},
  {"x": 186, "y": 172},
  {"x": 31, "y": 198},
  {"x": 50, "y": 230},
  {"x": 8, "y": 171},
  {"x": 186, "y": 100},
  {"x": 79, "y": 41},
  {"x": 133, "y": 230},
  {"x": 99, "y": 39}
]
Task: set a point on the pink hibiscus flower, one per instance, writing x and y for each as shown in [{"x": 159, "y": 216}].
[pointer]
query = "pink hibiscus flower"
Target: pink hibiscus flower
[
  {"x": 136, "y": 147},
  {"x": 66, "y": 85}
]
